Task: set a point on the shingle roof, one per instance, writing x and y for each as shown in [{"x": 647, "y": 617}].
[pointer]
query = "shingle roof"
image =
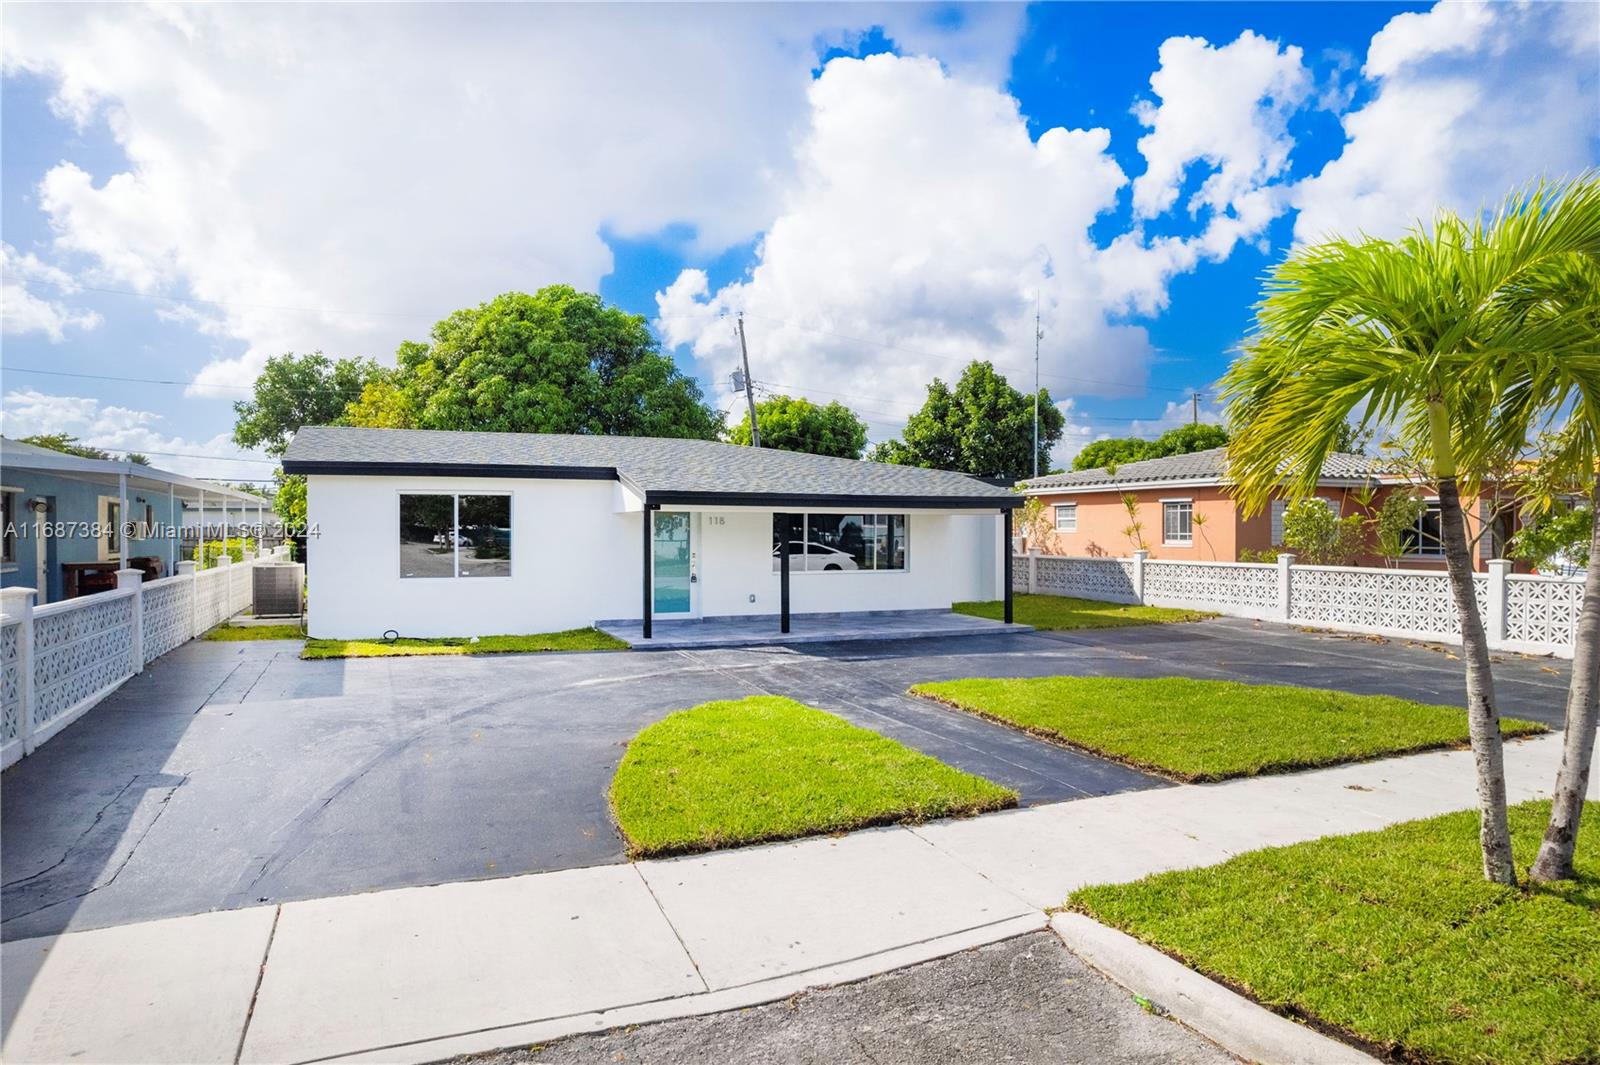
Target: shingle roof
[
  {"x": 659, "y": 468},
  {"x": 1202, "y": 466}
]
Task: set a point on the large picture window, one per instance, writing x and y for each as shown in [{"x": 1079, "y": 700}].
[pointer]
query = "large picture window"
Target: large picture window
[
  {"x": 455, "y": 536},
  {"x": 840, "y": 543}
]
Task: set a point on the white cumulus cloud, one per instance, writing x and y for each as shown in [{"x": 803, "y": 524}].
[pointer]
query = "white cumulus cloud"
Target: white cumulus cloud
[
  {"x": 1472, "y": 100},
  {"x": 341, "y": 176},
  {"x": 923, "y": 228},
  {"x": 24, "y": 310},
  {"x": 123, "y": 429}
]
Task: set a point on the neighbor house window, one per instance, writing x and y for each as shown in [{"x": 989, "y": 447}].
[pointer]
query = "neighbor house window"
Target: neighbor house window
[
  {"x": 1426, "y": 539},
  {"x": 839, "y": 543},
  {"x": 1066, "y": 517},
  {"x": 455, "y": 536},
  {"x": 1281, "y": 507},
  {"x": 1177, "y": 522},
  {"x": 8, "y": 523},
  {"x": 110, "y": 528}
]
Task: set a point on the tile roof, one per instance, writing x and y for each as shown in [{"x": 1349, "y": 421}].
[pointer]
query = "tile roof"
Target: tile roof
[
  {"x": 655, "y": 466},
  {"x": 1204, "y": 466}
]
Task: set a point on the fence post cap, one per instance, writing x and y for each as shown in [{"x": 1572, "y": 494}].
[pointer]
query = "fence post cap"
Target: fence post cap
[
  {"x": 16, "y": 599},
  {"x": 1500, "y": 565},
  {"x": 186, "y": 566},
  {"x": 1141, "y": 554},
  {"x": 1286, "y": 558},
  {"x": 129, "y": 578}
]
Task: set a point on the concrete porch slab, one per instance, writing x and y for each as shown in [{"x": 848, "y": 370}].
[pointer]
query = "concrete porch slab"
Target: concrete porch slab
[{"x": 704, "y": 633}]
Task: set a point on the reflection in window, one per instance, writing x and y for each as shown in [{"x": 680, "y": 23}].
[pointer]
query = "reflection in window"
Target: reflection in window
[
  {"x": 1177, "y": 523},
  {"x": 839, "y": 543},
  {"x": 484, "y": 543},
  {"x": 427, "y": 536}
]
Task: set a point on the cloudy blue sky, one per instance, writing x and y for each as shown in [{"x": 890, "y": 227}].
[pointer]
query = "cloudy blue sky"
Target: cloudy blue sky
[{"x": 885, "y": 191}]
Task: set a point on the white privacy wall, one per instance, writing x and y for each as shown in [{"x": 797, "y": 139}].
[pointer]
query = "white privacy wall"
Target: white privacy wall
[
  {"x": 576, "y": 556},
  {"x": 574, "y": 559}
]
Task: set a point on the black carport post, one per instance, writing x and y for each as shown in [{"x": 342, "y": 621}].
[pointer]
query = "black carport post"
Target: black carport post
[
  {"x": 783, "y": 573},
  {"x": 1005, "y": 545},
  {"x": 649, "y": 515}
]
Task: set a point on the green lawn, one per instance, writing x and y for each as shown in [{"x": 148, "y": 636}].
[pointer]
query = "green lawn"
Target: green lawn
[
  {"x": 1198, "y": 730},
  {"x": 1064, "y": 612},
  {"x": 767, "y": 768},
  {"x": 570, "y": 640},
  {"x": 255, "y": 632},
  {"x": 1394, "y": 936}
]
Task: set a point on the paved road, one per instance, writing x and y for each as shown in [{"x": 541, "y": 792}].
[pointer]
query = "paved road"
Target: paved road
[
  {"x": 234, "y": 773},
  {"x": 1027, "y": 999}
]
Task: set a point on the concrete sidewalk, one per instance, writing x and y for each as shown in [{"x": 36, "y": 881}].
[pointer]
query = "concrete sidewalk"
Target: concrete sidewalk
[{"x": 418, "y": 974}]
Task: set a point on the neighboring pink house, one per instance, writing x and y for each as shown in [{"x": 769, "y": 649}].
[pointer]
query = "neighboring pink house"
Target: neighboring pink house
[{"x": 1089, "y": 517}]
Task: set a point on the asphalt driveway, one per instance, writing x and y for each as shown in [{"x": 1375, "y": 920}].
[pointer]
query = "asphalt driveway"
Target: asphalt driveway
[{"x": 234, "y": 773}]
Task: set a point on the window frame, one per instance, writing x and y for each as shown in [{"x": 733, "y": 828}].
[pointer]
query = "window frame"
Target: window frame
[
  {"x": 454, "y": 533},
  {"x": 1188, "y": 506},
  {"x": 806, "y": 541},
  {"x": 1430, "y": 505},
  {"x": 1065, "y": 510},
  {"x": 8, "y": 527}
]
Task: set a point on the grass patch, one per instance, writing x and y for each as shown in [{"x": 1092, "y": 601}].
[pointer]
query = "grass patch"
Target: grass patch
[
  {"x": 569, "y": 640},
  {"x": 1394, "y": 937},
  {"x": 768, "y": 768},
  {"x": 1064, "y": 612},
  {"x": 1199, "y": 730},
  {"x": 255, "y": 632}
]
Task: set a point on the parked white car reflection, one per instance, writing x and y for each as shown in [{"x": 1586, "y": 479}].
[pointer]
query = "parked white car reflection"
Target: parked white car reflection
[
  {"x": 810, "y": 555},
  {"x": 449, "y": 539}
]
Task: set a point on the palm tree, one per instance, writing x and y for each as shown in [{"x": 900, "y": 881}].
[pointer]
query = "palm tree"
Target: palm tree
[
  {"x": 1415, "y": 333},
  {"x": 1555, "y": 309}
]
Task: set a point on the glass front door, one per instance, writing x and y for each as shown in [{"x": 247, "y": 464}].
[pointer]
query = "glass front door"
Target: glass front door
[{"x": 673, "y": 564}]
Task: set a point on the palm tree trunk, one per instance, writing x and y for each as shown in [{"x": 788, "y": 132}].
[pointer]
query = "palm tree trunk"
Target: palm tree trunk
[
  {"x": 1583, "y": 714},
  {"x": 1483, "y": 718}
]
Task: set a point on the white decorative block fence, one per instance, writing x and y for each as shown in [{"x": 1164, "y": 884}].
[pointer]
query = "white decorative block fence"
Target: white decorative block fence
[
  {"x": 58, "y": 661},
  {"x": 1537, "y": 615}
]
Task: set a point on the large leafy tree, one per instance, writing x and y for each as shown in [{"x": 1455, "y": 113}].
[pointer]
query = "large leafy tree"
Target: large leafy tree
[
  {"x": 982, "y": 426},
  {"x": 792, "y": 424},
  {"x": 1421, "y": 334},
  {"x": 1183, "y": 440},
  {"x": 295, "y": 390},
  {"x": 556, "y": 361}
]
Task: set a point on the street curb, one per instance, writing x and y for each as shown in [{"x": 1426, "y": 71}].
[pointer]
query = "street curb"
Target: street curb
[{"x": 1232, "y": 1021}]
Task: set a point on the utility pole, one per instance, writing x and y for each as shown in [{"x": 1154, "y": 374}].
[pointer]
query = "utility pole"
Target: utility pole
[
  {"x": 1194, "y": 407},
  {"x": 749, "y": 385},
  {"x": 1038, "y": 335}
]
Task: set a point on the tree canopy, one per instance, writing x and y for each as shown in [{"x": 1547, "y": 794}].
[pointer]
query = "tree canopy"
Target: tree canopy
[
  {"x": 983, "y": 426},
  {"x": 556, "y": 361},
  {"x": 295, "y": 390},
  {"x": 793, "y": 424},
  {"x": 1182, "y": 440}
]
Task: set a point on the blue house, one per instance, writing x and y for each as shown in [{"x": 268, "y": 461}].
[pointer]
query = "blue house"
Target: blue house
[{"x": 69, "y": 523}]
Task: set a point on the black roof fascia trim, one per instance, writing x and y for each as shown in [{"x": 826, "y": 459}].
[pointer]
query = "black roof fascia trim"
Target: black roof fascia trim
[
  {"x": 778, "y": 499},
  {"x": 463, "y": 469}
]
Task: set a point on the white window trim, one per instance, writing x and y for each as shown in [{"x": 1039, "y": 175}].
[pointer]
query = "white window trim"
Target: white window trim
[
  {"x": 1177, "y": 543},
  {"x": 1431, "y": 501},
  {"x": 103, "y": 542},
  {"x": 455, "y": 526},
  {"x": 1070, "y": 509}
]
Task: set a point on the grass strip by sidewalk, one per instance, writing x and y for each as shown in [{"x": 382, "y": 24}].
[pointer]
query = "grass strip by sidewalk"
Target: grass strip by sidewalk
[
  {"x": 255, "y": 632},
  {"x": 569, "y": 640},
  {"x": 767, "y": 768},
  {"x": 1059, "y": 612},
  {"x": 1200, "y": 730},
  {"x": 1393, "y": 937}
]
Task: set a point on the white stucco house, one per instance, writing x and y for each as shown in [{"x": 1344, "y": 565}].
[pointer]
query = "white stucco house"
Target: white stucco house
[{"x": 433, "y": 533}]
